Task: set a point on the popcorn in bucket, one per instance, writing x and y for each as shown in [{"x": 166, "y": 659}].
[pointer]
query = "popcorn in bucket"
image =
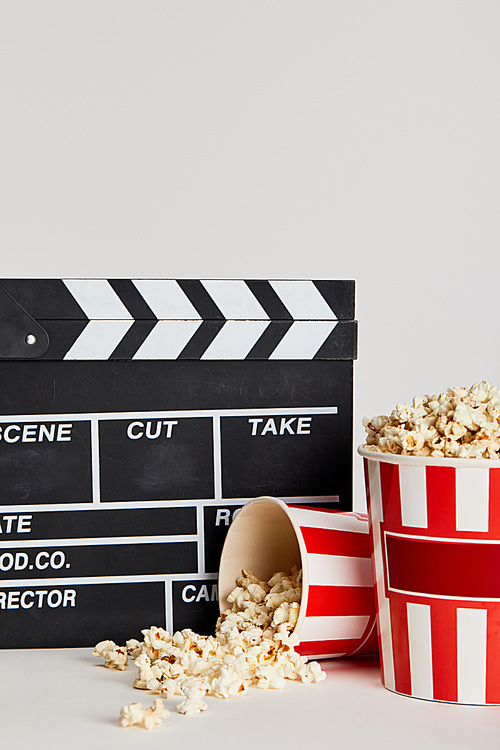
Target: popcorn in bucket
[{"x": 435, "y": 533}]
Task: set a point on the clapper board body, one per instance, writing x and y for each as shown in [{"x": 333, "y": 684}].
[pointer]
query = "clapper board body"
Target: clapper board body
[{"x": 136, "y": 418}]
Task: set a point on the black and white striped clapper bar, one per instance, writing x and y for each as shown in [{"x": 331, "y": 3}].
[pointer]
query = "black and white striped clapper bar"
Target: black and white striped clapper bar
[{"x": 136, "y": 417}]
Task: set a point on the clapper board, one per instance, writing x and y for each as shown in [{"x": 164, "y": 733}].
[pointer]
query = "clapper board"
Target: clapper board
[{"x": 136, "y": 418}]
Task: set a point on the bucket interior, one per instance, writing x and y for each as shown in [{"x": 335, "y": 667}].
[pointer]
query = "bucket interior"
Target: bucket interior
[{"x": 262, "y": 539}]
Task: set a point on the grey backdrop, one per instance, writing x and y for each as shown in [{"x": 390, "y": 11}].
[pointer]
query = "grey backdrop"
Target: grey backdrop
[{"x": 268, "y": 139}]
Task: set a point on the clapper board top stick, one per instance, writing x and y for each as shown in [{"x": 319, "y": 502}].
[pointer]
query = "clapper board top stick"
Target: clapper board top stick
[{"x": 136, "y": 418}]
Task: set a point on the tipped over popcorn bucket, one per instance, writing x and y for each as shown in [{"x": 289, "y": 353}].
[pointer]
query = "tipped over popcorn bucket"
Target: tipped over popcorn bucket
[
  {"x": 435, "y": 532},
  {"x": 337, "y": 611}
]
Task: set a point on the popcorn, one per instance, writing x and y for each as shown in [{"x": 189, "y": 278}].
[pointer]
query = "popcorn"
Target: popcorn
[
  {"x": 311, "y": 672},
  {"x": 133, "y": 648},
  {"x": 269, "y": 677},
  {"x": 251, "y": 646},
  {"x": 115, "y": 657},
  {"x": 134, "y": 714},
  {"x": 191, "y": 706},
  {"x": 459, "y": 423},
  {"x": 131, "y": 714}
]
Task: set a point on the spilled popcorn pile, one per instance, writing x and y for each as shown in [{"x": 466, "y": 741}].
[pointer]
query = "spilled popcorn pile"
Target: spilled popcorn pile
[
  {"x": 459, "y": 423},
  {"x": 251, "y": 646}
]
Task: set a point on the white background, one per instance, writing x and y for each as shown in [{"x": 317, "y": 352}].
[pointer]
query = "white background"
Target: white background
[
  {"x": 265, "y": 139},
  {"x": 269, "y": 139}
]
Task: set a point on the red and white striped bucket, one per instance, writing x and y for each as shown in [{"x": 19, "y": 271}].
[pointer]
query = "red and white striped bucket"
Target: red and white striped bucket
[
  {"x": 337, "y": 611},
  {"x": 435, "y": 532}
]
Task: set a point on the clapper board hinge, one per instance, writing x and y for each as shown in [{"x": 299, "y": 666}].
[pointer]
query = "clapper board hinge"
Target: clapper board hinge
[{"x": 21, "y": 337}]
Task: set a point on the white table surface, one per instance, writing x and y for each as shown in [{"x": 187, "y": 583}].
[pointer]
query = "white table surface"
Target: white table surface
[{"x": 65, "y": 698}]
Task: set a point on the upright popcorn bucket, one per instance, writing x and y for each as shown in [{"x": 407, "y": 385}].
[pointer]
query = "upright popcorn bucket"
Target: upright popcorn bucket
[
  {"x": 337, "y": 610},
  {"x": 435, "y": 534}
]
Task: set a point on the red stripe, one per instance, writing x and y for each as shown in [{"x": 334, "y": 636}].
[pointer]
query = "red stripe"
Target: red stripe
[
  {"x": 329, "y": 601},
  {"x": 400, "y": 644},
  {"x": 336, "y": 542},
  {"x": 441, "y": 500},
  {"x": 444, "y": 568},
  {"x": 391, "y": 497},
  {"x": 337, "y": 647},
  {"x": 493, "y": 652},
  {"x": 444, "y": 650},
  {"x": 371, "y": 644},
  {"x": 367, "y": 483},
  {"x": 494, "y": 500}
]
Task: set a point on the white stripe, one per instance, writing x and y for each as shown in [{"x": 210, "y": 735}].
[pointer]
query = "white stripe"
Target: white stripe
[
  {"x": 235, "y": 339},
  {"x": 337, "y": 654},
  {"x": 308, "y": 499},
  {"x": 96, "y": 580},
  {"x": 303, "y": 300},
  {"x": 375, "y": 489},
  {"x": 79, "y": 417},
  {"x": 446, "y": 597},
  {"x": 471, "y": 655},
  {"x": 112, "y": 505},
  {"x": 413, "y": 496},
  {"x": 321, "y": 520},
  {"x": 472, "y": 493},
  {"x": 200, "y": 539},
  {"x": 169, "y": 618},
  {"x": 419, "y": 637},
  {"x": 303, "y": 339},
  {"x": 100, "y": 541},
  {"x": 97, "y": 299},
  {"x": 235, "y": 300},
  {"x": 95, "y": 463},
  {"x": 331, "y": 628},
  {"x": 383, "y": 609},
  {"x": 98, "y": 339},
  {"x": 167, "y": 339},
  {"x": 166, "y": 299},
  {"x": 336, "y": 570},
  {"x": 367, "y": 638},
  {"x": 217, "y": 458},
  {"x": 455, "y": 540}
]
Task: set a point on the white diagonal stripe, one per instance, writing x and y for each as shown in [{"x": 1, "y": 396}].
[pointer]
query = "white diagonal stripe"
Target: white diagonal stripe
[
  {"x": 420, "y": 647},
  {"x": 303, "y": 300},
  {"x": 98, "y": 339},
  {"x": 383, "y": 608},
  {"x": 318, "y": 519},
  {"x": 413, "y": 496},
  {"x": 166, "y": 299},
  {"x": 98, "y": 299},
  {"x": 471, "y": 655},
  {"x": 339, "y": 570},
  {"x": 167, "y": 339},
  {"x": 333, "y": 628},
  {"x": 235, "y": 300},
  {"x": 235, "y": 339},
  {"x": 472, "y": 498},
  {"x": 303, "y": 339},
  {"x": 374, "y": 484}
]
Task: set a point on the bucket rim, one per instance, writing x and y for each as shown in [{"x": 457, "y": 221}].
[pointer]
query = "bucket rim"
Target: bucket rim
[{"x": 409, "y": 460}]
